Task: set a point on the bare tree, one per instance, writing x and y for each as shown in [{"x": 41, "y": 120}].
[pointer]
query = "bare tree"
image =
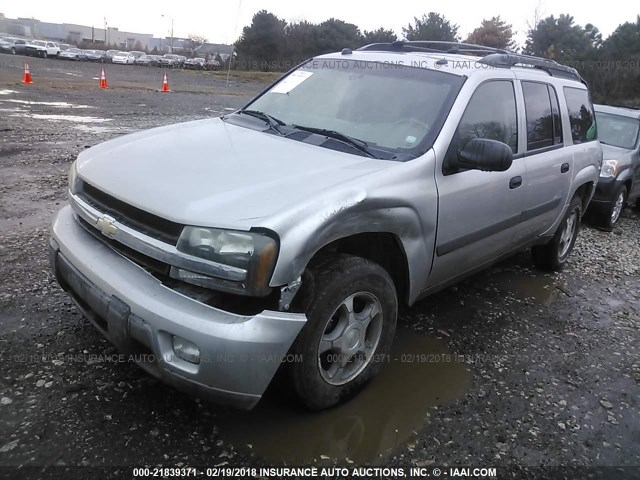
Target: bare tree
[
  {"x": 538, "y": 14},
  {"x": 195, "y": 41}
]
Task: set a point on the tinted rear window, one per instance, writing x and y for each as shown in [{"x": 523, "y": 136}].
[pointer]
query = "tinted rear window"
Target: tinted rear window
[{"x": 581, "y": 115}]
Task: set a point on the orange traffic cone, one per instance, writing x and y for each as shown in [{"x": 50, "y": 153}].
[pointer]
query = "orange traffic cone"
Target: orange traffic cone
[
  {"x": 165, "y": 84},
  {"x": 103, "y": 79},
  {"x": 27, "y": 74}
]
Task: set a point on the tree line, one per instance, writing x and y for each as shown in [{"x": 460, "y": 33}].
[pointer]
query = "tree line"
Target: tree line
[{"x": 611, "y": 66}]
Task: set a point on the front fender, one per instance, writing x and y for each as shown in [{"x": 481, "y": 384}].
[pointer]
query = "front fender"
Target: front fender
[{"x": 401, "y": 201}]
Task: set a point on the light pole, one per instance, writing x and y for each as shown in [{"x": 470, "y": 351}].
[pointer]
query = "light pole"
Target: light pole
[{"x": 163, "y": 16}]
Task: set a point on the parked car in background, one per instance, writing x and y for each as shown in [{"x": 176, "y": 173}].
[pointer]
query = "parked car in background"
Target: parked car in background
[
  {"x": 14, "y": 46},
  {"x": 65, "y": 46},
  {"x": 136, "y": 54},
  {"x": 42, "y": 48},
  {"x": 320, "y": 215},
  {"x": 126, "y": 58},
  {"x": 96, "y": 56},
  {"x": 197, "y": 63},
  {"x": 110, "y": 54},
  {"x": 170, "y": 60},
  {"x": 212, "y": 65},
  {"x": 72, "y": 53},
  {"x": 619, "y": 134},
  {"x": 148, "y": 60}
]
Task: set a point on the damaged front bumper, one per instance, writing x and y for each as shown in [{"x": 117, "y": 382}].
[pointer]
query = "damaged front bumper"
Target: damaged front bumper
[{"x": 237, "y": 355}]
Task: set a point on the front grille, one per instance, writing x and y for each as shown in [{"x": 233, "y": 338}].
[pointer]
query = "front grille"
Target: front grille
[
  {"x": 151, "y": 264},
  {"x": 141, "y": 221}
]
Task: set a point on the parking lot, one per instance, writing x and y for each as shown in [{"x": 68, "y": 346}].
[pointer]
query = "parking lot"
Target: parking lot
[{"x": 513, "y": 366}]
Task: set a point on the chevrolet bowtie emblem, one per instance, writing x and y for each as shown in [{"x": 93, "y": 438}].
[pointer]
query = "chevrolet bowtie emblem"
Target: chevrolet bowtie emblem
[{"x": 106, "y": 226}]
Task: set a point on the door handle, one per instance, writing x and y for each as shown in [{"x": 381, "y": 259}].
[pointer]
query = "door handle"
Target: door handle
[
  {"x": 564, "y": 168},
  {"x": 515, "y": 182}
]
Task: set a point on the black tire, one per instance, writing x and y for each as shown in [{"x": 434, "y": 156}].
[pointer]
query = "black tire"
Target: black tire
[
  {"x": 44, "y": 55},
  {"x": 336, "y": 279},
  {"x": 608, "y": 218},
  {"x": 553, "y": 255}
]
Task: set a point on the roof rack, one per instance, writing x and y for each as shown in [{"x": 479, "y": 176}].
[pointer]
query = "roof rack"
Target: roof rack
[{"x": 495, "y": 57}]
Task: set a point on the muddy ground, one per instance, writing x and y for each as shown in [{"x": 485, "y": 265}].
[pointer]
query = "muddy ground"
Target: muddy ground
[{"x": 513, "y": 366}]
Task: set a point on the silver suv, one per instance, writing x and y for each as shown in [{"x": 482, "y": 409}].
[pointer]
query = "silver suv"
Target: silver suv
[{"x": 285, "y": 236}]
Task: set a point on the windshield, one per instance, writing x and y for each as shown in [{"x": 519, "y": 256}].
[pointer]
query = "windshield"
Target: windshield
[
  {"x": 122, "y": 54},
  {"x": 391, "y": 107},
  {"x": 618, "y": 130},
  {"x": 73, "y": 50}
]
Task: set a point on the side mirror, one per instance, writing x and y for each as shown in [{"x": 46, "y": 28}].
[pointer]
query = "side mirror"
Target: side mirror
[{"x": 486, "y": 155}]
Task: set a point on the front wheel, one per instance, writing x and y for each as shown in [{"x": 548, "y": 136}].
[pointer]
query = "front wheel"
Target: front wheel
[
  {"x": 44, "y": 55},
  {"x": 13, "y": 51},
  {"x": 553, "y": 256},
  {"x": 611, "y": 215},
  {"x": 351, "y": 321}
]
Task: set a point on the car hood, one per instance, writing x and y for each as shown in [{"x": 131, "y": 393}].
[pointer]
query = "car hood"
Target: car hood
[
  {"x": 213, "y": 173},
  {"x": 611, "y": 152}
]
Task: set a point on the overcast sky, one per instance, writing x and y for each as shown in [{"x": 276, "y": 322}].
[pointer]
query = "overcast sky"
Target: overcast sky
[{"x": 222, "y": 21}]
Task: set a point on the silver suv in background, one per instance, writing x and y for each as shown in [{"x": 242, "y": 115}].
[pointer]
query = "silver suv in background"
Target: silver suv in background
[
  {"x": 619, "y": 183},
  {"x": 287, "y": 234}
]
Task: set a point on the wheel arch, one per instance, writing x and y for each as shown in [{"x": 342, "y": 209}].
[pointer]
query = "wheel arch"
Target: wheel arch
[
  {"x": 585, "y": 193},
  {"x": 383, "y": 248}
]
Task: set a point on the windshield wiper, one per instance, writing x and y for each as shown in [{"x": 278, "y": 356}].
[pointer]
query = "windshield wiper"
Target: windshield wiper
[
  {"x": 356, "y": 143},
  {"x": 273, "y": 122}
]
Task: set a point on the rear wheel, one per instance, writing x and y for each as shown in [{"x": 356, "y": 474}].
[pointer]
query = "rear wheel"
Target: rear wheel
[
  {"x": 553, "y": 255},
  {"x": 351, "y": 322}
]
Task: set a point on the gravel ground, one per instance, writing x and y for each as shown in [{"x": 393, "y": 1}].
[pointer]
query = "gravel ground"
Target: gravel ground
[{"x": 513, "y": 366}]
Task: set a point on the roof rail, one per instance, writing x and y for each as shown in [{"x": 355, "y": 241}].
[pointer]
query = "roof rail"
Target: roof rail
[
  {"x": 495, "y": 57},
  {"x": 434, "y": 46},
  {"x": 508, "y": 60}
]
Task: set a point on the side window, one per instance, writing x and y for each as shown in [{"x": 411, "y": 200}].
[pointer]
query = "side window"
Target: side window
[
  {"x": 581, "y": 116},
  {"x": 555, "y": 111},
  {"x": 544, "y": 127},
  {"x": 539, "y": 117},
  {"x": 491, "y": 113}
]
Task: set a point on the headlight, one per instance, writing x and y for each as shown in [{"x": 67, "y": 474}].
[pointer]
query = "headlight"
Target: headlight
[
  {"x": 73, "y": 177},
  {"x": 609, "y": 169},
  {"x": 251, "y": 251}
]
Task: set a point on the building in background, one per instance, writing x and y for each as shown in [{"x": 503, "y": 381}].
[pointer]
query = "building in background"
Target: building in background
[{"x": 32, "y": 28}]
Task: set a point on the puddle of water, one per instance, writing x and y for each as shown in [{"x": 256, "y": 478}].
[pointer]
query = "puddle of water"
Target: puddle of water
[
  {"x": 7, "y": 92},
  {"x": 539, "y": 288},
  {"x": 387, "y": 414},
  {"x": 66, "y": 118},
  {"x": 48, "y": 104},
  {"x": 95, "y": 129}
]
